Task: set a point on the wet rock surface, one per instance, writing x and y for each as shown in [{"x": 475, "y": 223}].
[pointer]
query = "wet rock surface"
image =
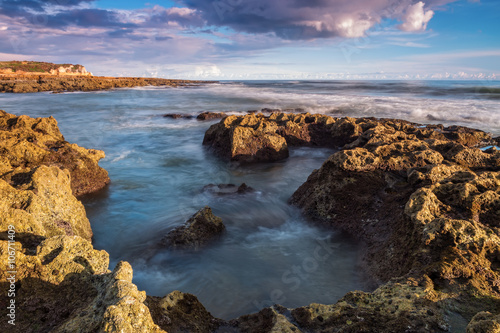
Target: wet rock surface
[
  {"x": 228, "y": 189},
  {"x": 27, "y": 143},
  {"x": 202, "y": 228},
  {"x": 211, "y": 115}
]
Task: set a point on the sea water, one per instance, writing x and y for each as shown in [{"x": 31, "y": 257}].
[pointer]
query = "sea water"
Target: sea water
[{"x": 158, "y": 169}]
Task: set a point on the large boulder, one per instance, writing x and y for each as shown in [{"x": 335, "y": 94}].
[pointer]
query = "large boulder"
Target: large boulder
[
  {"x": 247, "y": 139},
  {"x": 198, "y": 231},
  {"x": 26, "y": 143}
]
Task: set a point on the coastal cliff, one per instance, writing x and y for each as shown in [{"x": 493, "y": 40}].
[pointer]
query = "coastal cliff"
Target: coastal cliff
[
  {"x": 29, "y": 77},
  {"x": 424, "y": 200}
]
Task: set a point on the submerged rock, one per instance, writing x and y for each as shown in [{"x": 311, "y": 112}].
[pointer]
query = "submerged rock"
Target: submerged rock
[
  {"x": 28, "y": 143},
  {"x": 178, "y": 116},
  {"x": 210, "y": 115},
  {"x": 198, "y": 231},
  {"x": 225, "y": 189}
]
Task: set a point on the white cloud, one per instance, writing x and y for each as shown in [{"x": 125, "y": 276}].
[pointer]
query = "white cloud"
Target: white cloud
[{"x": 416, "y": 18}]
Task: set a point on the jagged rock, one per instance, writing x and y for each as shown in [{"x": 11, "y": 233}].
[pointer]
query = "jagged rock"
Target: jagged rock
[
  {"x": 198, "y": 231},
  {"x": 426, "y": 208},
  {"x": 405, "y": 306},
  {"x": 181, "y": 312},
  {"x": 225, "y": 189},
  {"x": 27, "y": 143},
  {"x": 257, "y": 138},
  {"x": 210, "y": 115},
  {"x": 67, "y": 287},
  {"x": 247, "y": 139}
]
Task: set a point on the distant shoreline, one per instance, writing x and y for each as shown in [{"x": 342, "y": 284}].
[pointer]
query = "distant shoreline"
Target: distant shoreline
[{"x": 30, "y": 83}]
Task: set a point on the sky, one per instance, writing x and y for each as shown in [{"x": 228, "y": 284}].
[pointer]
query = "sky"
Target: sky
[{"x": 259, "y": 39}]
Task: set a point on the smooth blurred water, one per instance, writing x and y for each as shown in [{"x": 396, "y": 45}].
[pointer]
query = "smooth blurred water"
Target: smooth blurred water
[{"x": 159, "y": 167}]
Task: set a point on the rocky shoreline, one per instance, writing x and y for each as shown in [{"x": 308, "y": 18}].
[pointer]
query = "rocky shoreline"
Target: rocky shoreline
[
  {"x": 425, "y": 201},
  {"x": 28, "y": 83}
]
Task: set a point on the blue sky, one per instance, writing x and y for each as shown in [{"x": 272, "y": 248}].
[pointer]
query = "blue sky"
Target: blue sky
[{"x": 259, "y": 39}]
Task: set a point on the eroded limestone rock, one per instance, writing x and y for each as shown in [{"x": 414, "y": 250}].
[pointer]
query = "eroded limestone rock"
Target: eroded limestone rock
[{"x": 26, "y": 143}]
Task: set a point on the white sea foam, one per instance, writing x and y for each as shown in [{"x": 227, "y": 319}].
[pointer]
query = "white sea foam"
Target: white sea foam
[
  {"x": 469, "y": 112},
  {"x": 122, "y": 155}
]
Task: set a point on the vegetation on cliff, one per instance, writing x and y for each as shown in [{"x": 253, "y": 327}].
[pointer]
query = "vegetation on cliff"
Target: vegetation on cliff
[{"x": 39, "y": 67}]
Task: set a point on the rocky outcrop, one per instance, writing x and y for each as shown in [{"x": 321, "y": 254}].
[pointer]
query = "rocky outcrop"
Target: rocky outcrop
[
  {"x": 48, "y": 267},
  {"x": 247, "y": 139},
  {"x": 426, "y": 204},
  {"x": 198, "y": 231},
  {"x": 258, "y": 138},
  {"x": 27, "y": 143}
]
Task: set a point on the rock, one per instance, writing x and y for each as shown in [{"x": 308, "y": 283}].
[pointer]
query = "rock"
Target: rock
[
  {"x": 395, "y": 307},
  {"x": 246, "y": 139},
  {"x": 27, "y": 143},
  {"x": 210, "y": 115},
  {"x": 198, "y": 231},
  {"x": 426, "y": 206},
  {"x": 257, "y": 138},
  {"x": 180, "y": 312},
  {"x": 42, "y": 205},
  {"x": 225, "y": 189},
  {"x": 67, "y": 287},
  {"x": 268, "y": 320},
  {"x": 484, "y": 322},
  {"x": 172, "y": 115}
]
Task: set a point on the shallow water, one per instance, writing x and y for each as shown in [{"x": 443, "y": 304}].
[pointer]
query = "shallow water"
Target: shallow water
[{"x": 158, "y": 168}]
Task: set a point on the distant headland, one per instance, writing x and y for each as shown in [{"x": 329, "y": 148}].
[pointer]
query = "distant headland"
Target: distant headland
[{"x": 35, "y": 76}]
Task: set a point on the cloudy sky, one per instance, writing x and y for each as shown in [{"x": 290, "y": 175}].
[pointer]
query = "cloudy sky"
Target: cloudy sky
[{"x": 259, "y": 39}]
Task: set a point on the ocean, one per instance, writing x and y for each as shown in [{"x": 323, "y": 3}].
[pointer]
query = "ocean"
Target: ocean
[{"x": 159, "y": 168}]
